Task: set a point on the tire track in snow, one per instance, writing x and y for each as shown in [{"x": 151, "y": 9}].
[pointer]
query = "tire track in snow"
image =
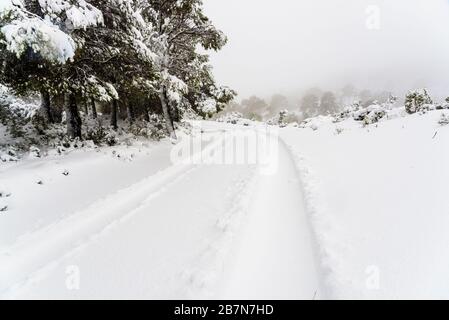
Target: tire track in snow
[
  {"x": 275, "y": 257},
  {"x": 319, "y": 223},
  {"x": 19, "y": 262},
  {"x": 22, "y": 262}
]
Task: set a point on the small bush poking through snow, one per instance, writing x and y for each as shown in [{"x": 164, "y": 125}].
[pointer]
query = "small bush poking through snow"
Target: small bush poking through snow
[
  {"x": 155, "y": 129},
  {"x": 23, "y": 131},
  {"x": 370, "y": 115},
  {"x": 417, "y": 101},
  {"x": 284, "y": 118},
  {"x": 348, "y": 112},
  {"x": 233, "y": 118},
  {"x": 283, "y": 114},
  {"x": 35, "y": 152},
  {"x": 444, "y": 120},
  {"x": 100, "y": 135},
  {"x": 8, "y": 154}
]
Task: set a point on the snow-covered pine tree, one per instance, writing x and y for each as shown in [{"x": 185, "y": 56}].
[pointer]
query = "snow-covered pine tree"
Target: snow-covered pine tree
[
  {"x": 114, "y": 59},
  {"x": 416, "y": 100},
  {"x": 177, "y": 28},
  {"x": 126, "y": 52},
  {"x": 205, "y": 97},
  {"x": 42, "y": 34}
]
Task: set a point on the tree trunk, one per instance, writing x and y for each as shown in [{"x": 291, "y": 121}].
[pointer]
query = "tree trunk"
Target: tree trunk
[
  {"x": 146, "y": 114},
  {"x": 130, "y": 112},
  {"x": 167, "y": 116},
  {"x": 94, "y": 108},
  {"x": 46, "y": 106},
  {"x": 114, "y": 112},
  {"x": 172, "y": 115},
  {"x": 72, "y": 116},
  {"x": 86, "y": 107}
]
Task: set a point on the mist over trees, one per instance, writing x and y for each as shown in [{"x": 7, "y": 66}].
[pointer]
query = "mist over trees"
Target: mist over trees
[
  {"x": 328, "y": 103},
  {"x": 278, "y": 103},
  {"x": 308, "y": 103}
]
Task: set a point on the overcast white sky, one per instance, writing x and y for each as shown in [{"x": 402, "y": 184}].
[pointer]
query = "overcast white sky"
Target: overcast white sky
[{"x": 285, "y": 45}]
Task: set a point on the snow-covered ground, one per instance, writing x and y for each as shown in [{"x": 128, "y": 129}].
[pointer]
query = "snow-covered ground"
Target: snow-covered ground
[
  {"x": 275, "y": 255},
  {"x": 165, "y": 231},
  {"x": 377, "y": 198},
  {"x": 349, "y": 212}
]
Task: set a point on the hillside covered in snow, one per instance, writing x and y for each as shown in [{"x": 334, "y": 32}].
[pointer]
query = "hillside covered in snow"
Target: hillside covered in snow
[{"x": 375, "y": 197}]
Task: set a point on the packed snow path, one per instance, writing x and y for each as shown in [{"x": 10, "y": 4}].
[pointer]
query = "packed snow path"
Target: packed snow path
[
  {"x": 188, "y": 231},
  {"x": 275, "y": 254}
]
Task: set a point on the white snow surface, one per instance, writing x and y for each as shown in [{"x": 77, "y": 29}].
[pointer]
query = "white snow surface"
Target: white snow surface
[
  {"x": 376, "y": 197},
  {"x": 352, "y": 212},
  {"x": 42, "y": 36},
  {"x": 163, "y": 231}
]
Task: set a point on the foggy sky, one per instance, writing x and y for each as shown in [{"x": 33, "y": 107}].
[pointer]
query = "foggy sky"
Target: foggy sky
[{"x": 283, "y": 46}]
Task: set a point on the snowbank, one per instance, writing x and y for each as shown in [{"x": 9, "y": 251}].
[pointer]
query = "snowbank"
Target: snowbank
[{"x": 376, "y": 196}]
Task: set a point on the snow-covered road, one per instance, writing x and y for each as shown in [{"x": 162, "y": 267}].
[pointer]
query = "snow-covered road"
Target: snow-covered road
[
  {"x": 187, "y": 231},
  {"x": 275, "y": 254}
]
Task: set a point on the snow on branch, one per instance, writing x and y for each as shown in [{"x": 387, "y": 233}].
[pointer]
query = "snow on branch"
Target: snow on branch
[
  {"x": 50, "y": 35},
  {"x": 41, "y": 36}
]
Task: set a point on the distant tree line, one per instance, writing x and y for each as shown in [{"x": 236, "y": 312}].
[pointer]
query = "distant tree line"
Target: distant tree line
[{"x": 313, "y": 102}]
